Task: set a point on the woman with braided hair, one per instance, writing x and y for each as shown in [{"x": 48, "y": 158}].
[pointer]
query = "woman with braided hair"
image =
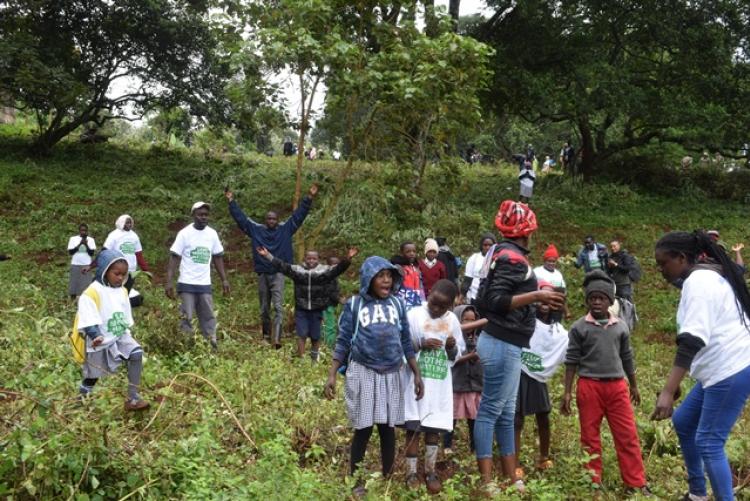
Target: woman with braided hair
[
  {"x": 506, "y": 298},
  {"x": 713, "y": 346}
]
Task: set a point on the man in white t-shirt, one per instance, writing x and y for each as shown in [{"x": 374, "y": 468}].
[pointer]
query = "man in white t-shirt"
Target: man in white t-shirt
[
  {"x": 194, "y": 248},
  {"x": 81, "y": 247}
]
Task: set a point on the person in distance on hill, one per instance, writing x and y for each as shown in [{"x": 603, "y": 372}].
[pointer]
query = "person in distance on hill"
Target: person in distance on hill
[
  {"x": 373, "y": 340},
  {"x": 105, "y": 318},
  {"x": 81, "y": 247},
  {"x": 277, "y": 239},
  {"x": 436, "y": 334},
  {"x": 125, "y": 240},
  {"x": 592, "y": 256},
  {"x": 311, "y": 293},
  {"x": 194, "y": 248},
  {"x": 599, "y": 352},
  {"x": 619, "y": 266},
  {"x": 713, "y": 346},
  {"x": 430, "y": 267}
]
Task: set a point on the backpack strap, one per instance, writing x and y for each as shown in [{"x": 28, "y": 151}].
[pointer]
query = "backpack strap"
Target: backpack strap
[
  {"x": 356, "y": 304},
  {"x": 77, "y": 339}
]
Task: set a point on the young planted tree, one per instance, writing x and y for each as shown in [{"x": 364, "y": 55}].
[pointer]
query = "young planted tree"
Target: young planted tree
[{"x": 298, "y": 37}]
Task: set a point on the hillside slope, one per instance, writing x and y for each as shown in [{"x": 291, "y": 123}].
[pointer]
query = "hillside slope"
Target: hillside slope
[{"x": 293, "y": 443}]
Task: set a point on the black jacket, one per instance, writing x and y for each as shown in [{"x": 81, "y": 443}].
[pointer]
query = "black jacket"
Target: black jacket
[
  {"x": 311, "y": 287},
  {"x": 621, "y": 273},
  {"x": 510, "y": 275}
]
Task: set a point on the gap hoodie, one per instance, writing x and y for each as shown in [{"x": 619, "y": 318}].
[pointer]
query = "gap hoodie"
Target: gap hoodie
[{"x": 383, "y": 338}]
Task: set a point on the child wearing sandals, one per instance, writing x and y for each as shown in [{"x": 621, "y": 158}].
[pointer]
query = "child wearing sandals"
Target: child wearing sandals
[
  {"x": 546, "y": 352},
  {"x": 437, "y": 338},
  {"x": 373, "y": 340},
  {"x": 104, "y": 317},
  {"x": 467, "y": 375}
]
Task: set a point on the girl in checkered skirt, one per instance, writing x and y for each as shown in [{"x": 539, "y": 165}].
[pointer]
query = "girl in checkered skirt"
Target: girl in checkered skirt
[{"x": 373, "y": 339}]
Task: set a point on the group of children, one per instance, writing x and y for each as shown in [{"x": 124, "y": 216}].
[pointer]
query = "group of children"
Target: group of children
[
  {"x": 443, "y": 378},
  {"x": 407, "y": 309}
]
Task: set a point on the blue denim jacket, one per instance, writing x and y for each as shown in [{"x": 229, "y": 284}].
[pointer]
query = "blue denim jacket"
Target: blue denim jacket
[{"x": 383, "y": 337}]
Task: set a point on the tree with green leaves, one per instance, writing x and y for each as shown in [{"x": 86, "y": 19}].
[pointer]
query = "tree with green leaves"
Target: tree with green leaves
[
  {"x": 80, "y": 61},
  {"x": 623, "y": 75}
]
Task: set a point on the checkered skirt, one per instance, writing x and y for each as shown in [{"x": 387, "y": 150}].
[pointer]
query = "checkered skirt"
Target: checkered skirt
[{"x": 372, "y": 397}]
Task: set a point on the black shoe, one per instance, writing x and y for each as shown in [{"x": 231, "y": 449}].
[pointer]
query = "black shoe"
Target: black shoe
[{"x": 643, "y": 491}]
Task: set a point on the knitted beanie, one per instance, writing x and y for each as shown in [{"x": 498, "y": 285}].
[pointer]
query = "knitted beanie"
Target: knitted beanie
[
  {"x": 430, "y": 244},
  {"x": 598, "y": 281},
  {"x": 551, "y": 253}
]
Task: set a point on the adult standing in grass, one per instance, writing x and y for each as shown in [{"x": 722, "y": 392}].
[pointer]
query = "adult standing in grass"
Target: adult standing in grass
[
  {"x": 506, "y": 297},
  {"x": 81, "y": 247},
  {"x": 194, "y": 248},
  {"x": 592, "y": 256},
  {"x": 713, "y": 346},
  {"x": 277, "y": 239}
]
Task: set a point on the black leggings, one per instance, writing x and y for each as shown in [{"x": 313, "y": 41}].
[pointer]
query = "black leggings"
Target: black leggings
[
  {"x": 387, "y": 447},
  {"x": 448, "y": 437}
]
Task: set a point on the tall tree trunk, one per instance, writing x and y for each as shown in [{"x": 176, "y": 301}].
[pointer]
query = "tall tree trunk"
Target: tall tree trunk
[
  {"x": 454, "y": 8},
  {"x": 588, "y": 152},
  {"x": 430, "y": 19}
]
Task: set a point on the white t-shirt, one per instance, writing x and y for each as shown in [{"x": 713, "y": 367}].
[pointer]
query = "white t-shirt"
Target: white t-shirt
[
  {"x": 114, "y": 316},
  {"x": 196, "y": 248},
  {"x": 126, "y": 242},
  {"x": 546, "y": 351},
  {"x": 81, "y": 257},
  {"x": 594, "y": 261},
  {"x": 474, "y": 270},
  {"x": 554, "y": 277},
  {"x": 435, "y": 409},
  {"x": 708, "y": 311}
]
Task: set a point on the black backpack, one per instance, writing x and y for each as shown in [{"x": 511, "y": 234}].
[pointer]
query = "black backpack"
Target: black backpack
[{"x": 635, "y": 270}]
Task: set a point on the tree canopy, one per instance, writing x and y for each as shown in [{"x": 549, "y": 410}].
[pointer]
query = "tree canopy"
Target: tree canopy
[
  {"x": 69, "y": 62},
  {"x": 623, "y": 74}
]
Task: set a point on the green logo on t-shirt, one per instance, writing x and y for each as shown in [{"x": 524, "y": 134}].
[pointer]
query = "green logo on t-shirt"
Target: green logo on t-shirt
[
  {"x": 532, "y": 361},
  {"x": 82, "y": 249},
  {"x": 433, "y": 364},
  {"x": 127, "y": 248},
  {"x": 200, "y": 255},
  {"x": 117, "y": 325}
]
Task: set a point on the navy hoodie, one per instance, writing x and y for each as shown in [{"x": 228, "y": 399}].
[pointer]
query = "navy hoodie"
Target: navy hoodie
[
  {"x": 278, "y": 241},
  {"x": 383, "y": 336}
]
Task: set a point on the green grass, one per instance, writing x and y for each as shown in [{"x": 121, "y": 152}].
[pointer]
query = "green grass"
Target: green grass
[{"x": 295, "y": 442}]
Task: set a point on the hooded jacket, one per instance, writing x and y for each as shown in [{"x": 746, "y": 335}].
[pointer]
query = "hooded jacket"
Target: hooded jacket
[
  {"x": 509, "y": 276},
  {"x": 104, "y": 262},
  {"x": 278, "y": 240},
  {"x": 383, "y": 337},
  {"x": 312, "y": 289}
]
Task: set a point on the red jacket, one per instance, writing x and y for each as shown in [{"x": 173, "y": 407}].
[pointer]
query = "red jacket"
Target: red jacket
[{"x": 430, "y": 276}]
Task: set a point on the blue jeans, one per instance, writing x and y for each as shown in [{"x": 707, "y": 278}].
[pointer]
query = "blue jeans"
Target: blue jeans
[
  {"x": 703, "y": 423},
  {"x": 501, "y": 363}
]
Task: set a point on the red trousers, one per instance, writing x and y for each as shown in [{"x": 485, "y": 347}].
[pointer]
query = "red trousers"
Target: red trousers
[{"x": 610, "y": 399}]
